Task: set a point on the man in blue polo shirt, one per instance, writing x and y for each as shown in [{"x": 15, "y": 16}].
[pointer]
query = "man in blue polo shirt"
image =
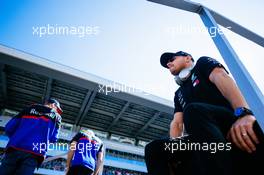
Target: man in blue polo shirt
[
  {"x": 30, "y": 133},
  {"x": 85, "y": 156}
]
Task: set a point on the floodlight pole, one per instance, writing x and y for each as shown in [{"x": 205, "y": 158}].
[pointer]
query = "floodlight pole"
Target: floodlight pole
[{"x": 245, "y": 82}]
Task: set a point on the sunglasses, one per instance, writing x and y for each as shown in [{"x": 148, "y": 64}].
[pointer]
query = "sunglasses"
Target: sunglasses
[{"x": 171, "y": 59}]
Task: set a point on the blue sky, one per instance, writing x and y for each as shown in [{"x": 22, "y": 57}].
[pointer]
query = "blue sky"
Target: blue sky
[{"x": 131, "y": 36}]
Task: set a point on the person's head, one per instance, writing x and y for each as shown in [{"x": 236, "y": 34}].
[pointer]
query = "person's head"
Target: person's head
[
  {"x": 88, "y": 132},
  {"x": 176, "y": 62},
  {"x": 54, "y": 104}
]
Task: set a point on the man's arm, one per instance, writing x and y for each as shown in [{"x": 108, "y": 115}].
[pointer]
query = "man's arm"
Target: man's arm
[
  {"x": 227, "y": 87},
  {"x": 70, "y": 155},
  {"x": 244, "y": 125},
  {"x": 99, "y": 162},
  {"x": 176, "y": 126}
]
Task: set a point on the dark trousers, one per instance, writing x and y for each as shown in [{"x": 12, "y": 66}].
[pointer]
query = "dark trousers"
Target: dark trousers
[
  {"x": 163, "y": 158},
  {"x": 208, "y": 125},
  {"x": 18, "y": 163},
  {"x": 79, "y": 170}
]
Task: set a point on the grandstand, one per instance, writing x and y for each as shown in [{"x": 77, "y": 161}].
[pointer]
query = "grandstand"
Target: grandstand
[{"x": 125, "y": 119}]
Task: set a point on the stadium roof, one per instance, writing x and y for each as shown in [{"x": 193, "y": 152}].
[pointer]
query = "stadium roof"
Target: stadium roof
[{"x": 27, "y": 79}]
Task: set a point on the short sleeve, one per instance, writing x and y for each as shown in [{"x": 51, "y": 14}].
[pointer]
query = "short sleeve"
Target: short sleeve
[
  {"x": 206, "y": 65},
  {"x": 101, "y": 148},
  {"x": 177, "y": 105},
  {"x": 77, "y": 137}
]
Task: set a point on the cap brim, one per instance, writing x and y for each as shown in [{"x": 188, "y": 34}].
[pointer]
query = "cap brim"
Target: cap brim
[{"x": 165, "y": 57}]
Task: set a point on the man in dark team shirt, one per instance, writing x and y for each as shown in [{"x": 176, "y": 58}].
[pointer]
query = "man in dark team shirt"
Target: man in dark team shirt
[
  {"x": 29, "y": 134},
  {"x": 213, "y": 111},
  {"x": 85, "y": 156}
]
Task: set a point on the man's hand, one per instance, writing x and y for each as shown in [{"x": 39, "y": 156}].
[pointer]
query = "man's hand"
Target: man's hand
[
  {"x": 243, "y": 135},
  {"x": 176, "y": 126}
]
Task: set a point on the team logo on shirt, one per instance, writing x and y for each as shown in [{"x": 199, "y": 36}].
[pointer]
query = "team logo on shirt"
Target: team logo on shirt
[
  {"x": 195, "y": 80},
  {"x": 181, "y": 100}
]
